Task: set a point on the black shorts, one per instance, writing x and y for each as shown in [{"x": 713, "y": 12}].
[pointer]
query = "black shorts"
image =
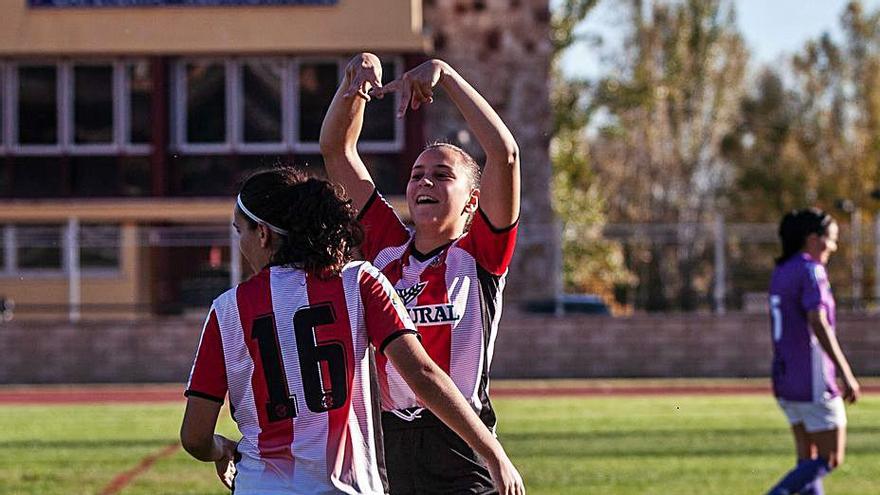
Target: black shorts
[{"x": 424, "y": 456}]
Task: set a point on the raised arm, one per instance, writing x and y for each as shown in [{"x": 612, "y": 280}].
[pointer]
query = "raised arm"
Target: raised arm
[
  {"x": 822, "y": 328},
  {"x": 342, "y": 125},
  {"x": 437, "y": 391},
  {"x": 500, "y": 184}
]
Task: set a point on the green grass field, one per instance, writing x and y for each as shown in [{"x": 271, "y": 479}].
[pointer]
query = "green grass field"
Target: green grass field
[{"x": 613, "y": 445}]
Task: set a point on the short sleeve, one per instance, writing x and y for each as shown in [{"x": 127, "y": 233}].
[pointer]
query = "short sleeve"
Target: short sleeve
[
  {"x": 814, "y": 280},
  {"x": 382, "y": 227},
  {"x": 491, "y": 248},
  {"x": 384, "y": 313},
  {"x": 208, "y": 376}
]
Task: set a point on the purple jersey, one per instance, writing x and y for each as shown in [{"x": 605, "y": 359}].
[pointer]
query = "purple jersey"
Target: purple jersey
[{"x": 802, "y": 371}]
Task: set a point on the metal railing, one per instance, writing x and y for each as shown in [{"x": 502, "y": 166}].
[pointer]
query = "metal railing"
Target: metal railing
[{"x": 723, "y": 266}]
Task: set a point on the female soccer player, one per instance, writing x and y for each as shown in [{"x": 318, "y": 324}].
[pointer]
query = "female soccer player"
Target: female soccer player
[
  {"x": 289, "y": 346},
  {"x": 806, "y": 354},
  {"x": 450, "y": 270}
]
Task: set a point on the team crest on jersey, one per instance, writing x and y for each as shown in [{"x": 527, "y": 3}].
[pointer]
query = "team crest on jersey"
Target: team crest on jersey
[
  {"x": 429, "y": 314},
  {"x": 411, "y": 293}
]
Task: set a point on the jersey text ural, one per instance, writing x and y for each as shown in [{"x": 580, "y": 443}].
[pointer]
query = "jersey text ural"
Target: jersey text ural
[{"x": 434, "y": 314}]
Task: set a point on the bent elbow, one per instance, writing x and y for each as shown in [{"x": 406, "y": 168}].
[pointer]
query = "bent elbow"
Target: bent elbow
[
  {"x": 333, "y": 147},
  {"x": 326, "y": 144},
  {"x": 187, "y": 440},
  {"x": 196, "y": 445}
]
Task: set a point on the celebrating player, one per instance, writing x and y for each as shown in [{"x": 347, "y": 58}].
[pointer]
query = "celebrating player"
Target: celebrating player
[
  {"x": 450, "y": 271},
  {"x": 806, "y": 353},
  {"x": 289, "y": 346}
]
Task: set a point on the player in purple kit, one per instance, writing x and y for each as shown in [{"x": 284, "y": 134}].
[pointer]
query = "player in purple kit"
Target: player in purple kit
[{"x": 806, "y": 354}]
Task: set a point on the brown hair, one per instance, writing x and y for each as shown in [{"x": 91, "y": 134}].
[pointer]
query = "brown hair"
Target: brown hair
[
  {"x": 796, "y": 226},
  {"x": 322, "y": 228}
]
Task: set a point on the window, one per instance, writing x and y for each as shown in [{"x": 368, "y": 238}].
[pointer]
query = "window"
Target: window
[
  {"x": 6, "y": 167},
  {"x": 204, "y": 175},
  {"x": 39, "y": 176},
  {"x": 37, "y": 114},
  {"x": 41, "y": 248},
  {"x": 317, "y": 85},
  {"x": 380, "y": 117},
  {"x": 99, "y": 247},
  {"x": 38, "y": 247},
  {"x": 94, "y": 176},
  {"x": 205, "y": 102},
  {"x": 135, "y": 179},
  {"x": 268, "y": 105},
  {"x": 231, "y": 105},
  {"x": 81, "y": 107},
  {"x": 261, "y": 86},
  {"x": 3, "y": 125},
  {"x": 139, "y": 89},
  {"x": 93, "y": 104}
]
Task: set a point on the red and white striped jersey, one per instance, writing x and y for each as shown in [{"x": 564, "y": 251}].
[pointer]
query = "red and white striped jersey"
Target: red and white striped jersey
[
  {"x": 290, "y": 349},
  {"x": 452, "y": 294}
]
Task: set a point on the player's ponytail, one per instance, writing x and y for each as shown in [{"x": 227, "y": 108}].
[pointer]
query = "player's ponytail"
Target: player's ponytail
[
  {"x": 320, "y": 228},
  {"x": 323, "y": 228},
  {"x": 796, "y": 226}
]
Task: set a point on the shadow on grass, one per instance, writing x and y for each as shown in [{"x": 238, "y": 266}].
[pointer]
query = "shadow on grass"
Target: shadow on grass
[
  {"x": 668, "y": 443},
  {"x": 85, "y": 444}
]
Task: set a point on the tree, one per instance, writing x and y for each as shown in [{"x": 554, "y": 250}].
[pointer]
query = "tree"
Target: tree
[
  {"x": 591, "y": 263},
  {"x": 673, "y": 100},
  {"x": 817, "y": 140},
  {"x": 768, "y": 162}
]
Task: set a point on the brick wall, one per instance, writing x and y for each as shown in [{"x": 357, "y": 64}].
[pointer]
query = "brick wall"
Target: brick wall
[
  {"x": 662, "y": 345},
  {"x": 149, "y": 351},
  {"x": 528, "y": 347}
]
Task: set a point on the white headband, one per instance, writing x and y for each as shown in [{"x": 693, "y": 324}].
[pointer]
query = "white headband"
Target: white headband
[{"x": 257, "y": 219}]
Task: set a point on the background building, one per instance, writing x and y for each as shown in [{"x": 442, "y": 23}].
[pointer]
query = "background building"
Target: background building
[{"x": 126, "y": 129}]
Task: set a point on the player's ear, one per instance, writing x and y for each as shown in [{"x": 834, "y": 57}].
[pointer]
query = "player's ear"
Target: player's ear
[
  {"x": 265, "y": 236},
  {"x": 473, "y": 202}
]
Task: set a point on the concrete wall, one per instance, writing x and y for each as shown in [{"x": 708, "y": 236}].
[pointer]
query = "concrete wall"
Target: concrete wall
[{"x": 161, "y": 350}]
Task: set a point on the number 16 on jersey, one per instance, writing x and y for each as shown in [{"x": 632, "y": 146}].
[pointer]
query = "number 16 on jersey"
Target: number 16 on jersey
[{"x": 315, "y": 359}]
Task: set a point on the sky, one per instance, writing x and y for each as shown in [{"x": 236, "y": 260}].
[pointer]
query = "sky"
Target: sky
[{"x": 772, "y": 29}]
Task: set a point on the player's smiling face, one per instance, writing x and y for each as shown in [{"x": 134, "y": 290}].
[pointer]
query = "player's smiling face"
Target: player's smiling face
[{"x": 439, "y": 192}]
